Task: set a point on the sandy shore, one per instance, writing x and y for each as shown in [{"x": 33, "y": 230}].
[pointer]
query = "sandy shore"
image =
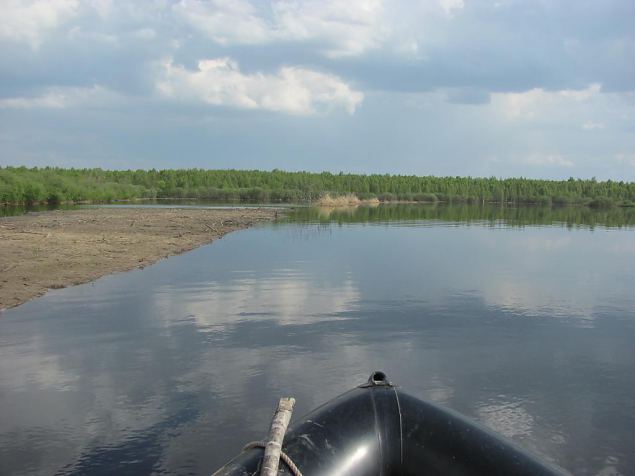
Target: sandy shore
[{"x": 49, "y": 250}]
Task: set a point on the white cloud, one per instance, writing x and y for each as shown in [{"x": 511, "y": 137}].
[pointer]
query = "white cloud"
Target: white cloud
[
  {"x": 145, "y": 34},
  {"x": 539, "y": 160},
  {"x": 580, "y": 94},
  {"x": 226, "y": 22},
  {"x": 449, "y": 6},
  {"x": 49, "y": 100},
  {"x": 592, "y": 126},
  {"x": 628, "y": 159},
  {"x": 347, "y": 28},
  {"x": 60, "y": 98},
  {"x": 28, "y": 21},
  {"x": 103, "y": 8},
  {"x": 532, "y": 103},
  {"x": 81, "y": 35},
  {"x": 341, "y": 28},
  {"x": 543, "y": 160},
  {"x": 292, "y": 90}
]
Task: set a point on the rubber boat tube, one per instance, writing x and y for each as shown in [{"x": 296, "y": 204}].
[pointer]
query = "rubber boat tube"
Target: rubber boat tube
[{"x": 376, "y": 429}]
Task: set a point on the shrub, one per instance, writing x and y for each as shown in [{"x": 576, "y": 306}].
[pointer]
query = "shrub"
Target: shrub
[
  {"x": 425, "y": 197},
  {"x": 601, "y": 202}
]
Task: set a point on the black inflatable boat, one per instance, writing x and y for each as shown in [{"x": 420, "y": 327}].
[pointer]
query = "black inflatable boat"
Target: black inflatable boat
[{"x": 376, "y": 429}]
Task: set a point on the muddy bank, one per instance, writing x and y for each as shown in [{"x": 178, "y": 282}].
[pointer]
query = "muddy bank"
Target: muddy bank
[{"x": 41, "y": 251}]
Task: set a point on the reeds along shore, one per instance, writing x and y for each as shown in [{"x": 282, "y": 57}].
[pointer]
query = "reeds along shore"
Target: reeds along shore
[
  {"x": 346, "y": 200},
  {"x": 21, "y": 185}
]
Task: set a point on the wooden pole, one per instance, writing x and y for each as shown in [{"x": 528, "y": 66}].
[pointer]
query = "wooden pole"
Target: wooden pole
[{"x": 279, "y": 425}]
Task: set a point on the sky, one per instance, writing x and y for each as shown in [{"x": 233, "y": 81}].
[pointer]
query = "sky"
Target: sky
[{"x": 541, "y": 89}]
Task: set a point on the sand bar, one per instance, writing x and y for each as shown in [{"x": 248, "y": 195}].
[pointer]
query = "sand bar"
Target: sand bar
[{"x": 49, "y": 250}]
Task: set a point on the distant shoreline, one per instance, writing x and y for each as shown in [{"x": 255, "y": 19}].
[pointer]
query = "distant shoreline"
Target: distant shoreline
[
  {"x": 50, "y": 250},
  {"x": 330, "y": 201},
  {"x": 52, "y": 185}
]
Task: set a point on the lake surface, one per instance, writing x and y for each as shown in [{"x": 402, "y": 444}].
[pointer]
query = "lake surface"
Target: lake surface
[{"x": 522, "y": 319}]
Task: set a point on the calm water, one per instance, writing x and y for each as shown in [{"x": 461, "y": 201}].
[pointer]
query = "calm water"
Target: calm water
[{"x": 523, "y": 320}]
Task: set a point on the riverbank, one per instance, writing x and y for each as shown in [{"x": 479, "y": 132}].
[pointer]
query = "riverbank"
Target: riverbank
[{"x": 50, "y": 250}]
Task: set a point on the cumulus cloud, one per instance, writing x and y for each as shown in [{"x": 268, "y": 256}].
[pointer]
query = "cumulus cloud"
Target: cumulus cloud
[
  {"x": 232, "y": 21},
  {"x": 291, "y": 90},
  {"x": 28, "y": 21},
  {"x": 340, "y": 28},
  {"x": 347, "y": 28}
]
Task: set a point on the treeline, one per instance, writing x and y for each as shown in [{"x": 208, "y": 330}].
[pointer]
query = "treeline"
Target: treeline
[{"x": 22, "y": 185}]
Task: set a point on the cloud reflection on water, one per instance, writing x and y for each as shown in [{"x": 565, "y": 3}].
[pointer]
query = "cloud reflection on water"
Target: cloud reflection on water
[{"x": 288, "y": 296}]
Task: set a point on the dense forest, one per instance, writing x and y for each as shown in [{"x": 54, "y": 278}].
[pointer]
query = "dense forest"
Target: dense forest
[{"x": 22, "y": 185}]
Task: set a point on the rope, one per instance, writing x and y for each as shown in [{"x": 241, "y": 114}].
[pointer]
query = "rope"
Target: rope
[{"x": 283, "y": 456}]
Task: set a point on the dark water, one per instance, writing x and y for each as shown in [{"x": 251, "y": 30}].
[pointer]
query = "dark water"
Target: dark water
[
  {"x": 523, "y": 320},
  {"x": 13, "y": 210}
]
